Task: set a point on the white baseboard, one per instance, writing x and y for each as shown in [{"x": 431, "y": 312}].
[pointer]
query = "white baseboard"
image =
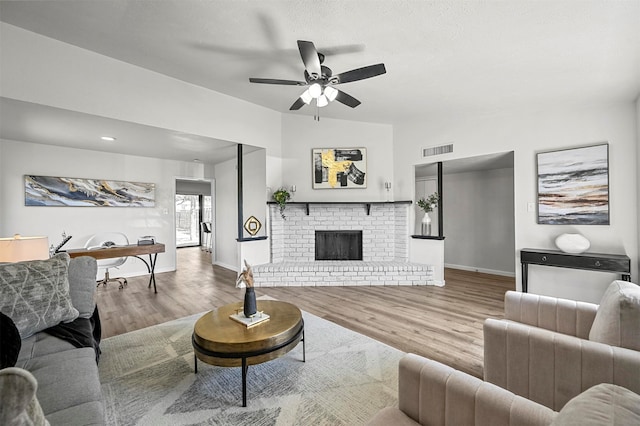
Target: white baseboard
[
  {"x": 224, "y": 265},
  {"x": 482, "y": 270}
]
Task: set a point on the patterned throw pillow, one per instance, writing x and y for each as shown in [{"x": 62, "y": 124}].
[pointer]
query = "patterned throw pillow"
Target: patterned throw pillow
[{"x": 35, "y": 293}]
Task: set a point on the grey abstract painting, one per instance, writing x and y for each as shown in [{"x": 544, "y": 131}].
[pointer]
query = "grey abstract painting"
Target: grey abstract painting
[
  {"x": 573, "y": 186},
  {"x": 61, "y": 191}
]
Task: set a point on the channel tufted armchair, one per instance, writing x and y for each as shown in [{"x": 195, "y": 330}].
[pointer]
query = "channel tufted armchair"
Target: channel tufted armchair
[
  {"x": 433, "y": 394},
  {"x": 549, "y": 350}
]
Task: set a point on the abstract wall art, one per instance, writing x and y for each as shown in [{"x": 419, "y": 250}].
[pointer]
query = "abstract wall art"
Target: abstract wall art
[
  {"x": 573, "y": 186},
  {"x": 339, "y": 168},
  {"x": 74, "y": 192}
]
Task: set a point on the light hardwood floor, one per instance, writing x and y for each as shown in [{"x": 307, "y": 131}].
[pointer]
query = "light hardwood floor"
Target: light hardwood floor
[{"x": 441, "y": 323}]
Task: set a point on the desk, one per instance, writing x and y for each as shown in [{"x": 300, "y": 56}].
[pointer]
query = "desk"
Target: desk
[
  {"x": 132, "y": 250},
  {"x": 589, "y": 261}
]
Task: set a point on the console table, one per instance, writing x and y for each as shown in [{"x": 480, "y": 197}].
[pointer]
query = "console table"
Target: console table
[{"x": 589, "y": 261}]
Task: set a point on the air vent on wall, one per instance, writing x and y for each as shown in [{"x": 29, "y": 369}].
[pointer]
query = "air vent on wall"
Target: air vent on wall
[{"x": 437, "y": 150}]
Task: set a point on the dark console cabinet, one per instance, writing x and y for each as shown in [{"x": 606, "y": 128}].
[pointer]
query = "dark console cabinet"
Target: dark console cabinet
[{"x": 589, "y": 261}]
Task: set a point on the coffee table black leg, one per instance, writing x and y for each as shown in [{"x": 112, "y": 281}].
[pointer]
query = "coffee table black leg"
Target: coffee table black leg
[
  {"x": 244, "y": 382},
  {"x": 304, "y": 349},
  {"x": 195, "y": 363}
]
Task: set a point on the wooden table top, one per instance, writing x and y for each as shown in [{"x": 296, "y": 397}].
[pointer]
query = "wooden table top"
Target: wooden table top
[
  {"x": 118, "y": 251},
  {"x": 218, "y": 333}
]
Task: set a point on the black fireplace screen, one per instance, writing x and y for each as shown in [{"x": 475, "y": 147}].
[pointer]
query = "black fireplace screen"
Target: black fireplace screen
[{"x": 338, "y": 245}]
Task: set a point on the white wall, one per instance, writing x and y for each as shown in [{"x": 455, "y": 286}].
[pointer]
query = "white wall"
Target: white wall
[
  {"x": 479, "y": 222},
  {"x": 45, "y": 71},
  {"x": 526, "y": 133},
  {"x": 254, "y": 189},
  {"x": 301, "y": 134},
  {"x": 226, "y": 222},
  {"x": 20, "y": 158},
  {"x": 193, "y": 187},
  {"x": 228, "y": 252},
  {"x": 637, "y": 172}
]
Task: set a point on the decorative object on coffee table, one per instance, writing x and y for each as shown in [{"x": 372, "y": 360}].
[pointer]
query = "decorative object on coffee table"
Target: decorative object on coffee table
[
  {"x": 281, "y": 196},
  {"x": 428, "y": 204},
  {"x": 245, "y": 279},
  {"x": 572, "y": 243}
]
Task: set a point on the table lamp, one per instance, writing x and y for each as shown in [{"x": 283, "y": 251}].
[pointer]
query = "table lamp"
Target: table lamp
[{"x": 19, "y": 248}]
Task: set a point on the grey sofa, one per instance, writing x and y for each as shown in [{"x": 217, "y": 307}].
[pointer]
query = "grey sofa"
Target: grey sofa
[
  {"x": 549, "y": 349},
  {"x": 68, "y": 385},
  {"x": 431, "y": 393}
]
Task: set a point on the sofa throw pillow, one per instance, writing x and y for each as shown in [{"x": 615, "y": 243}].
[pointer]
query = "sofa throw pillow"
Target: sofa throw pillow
[
  {"x": 35, "y": 293},
  {"x": 617, "y": 320},
  {"x": 82, "y": 284},
  {"x": 18, "y": 402},
  {"x": 10, "y": 342},
  {"x": 603, "y": 404}
]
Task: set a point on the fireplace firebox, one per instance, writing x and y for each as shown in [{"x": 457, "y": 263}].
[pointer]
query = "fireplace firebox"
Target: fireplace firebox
[{"x": 338, "y": 245}]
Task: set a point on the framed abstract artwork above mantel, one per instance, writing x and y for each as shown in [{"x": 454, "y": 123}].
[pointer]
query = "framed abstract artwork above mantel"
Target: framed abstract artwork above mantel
[
  {"x": 77, "y": 192},
  {"x": 573, "y": 186},
  {"x": 339, "y": 168}
]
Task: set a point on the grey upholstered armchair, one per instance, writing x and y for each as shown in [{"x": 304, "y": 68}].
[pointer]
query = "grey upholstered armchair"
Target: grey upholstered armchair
[{"x": 549, "y": 350}]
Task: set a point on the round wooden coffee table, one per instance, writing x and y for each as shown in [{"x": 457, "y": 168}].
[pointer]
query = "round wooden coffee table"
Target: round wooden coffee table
[{"x": 219, "y": 340}]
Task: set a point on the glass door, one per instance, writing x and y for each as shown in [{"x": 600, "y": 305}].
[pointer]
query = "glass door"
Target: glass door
[{"x": 187, "y": 220}]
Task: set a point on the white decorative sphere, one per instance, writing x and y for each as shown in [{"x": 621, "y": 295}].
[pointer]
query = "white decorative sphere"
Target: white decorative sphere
[{"x": 572, "y": 243}]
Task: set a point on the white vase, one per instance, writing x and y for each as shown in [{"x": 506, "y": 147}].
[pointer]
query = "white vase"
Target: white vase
[
  {"x": 426, "y": 224},
  {"x": 572, "y": 243}
]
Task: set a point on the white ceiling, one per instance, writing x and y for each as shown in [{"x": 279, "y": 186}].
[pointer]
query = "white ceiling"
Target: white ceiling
[{"x": 442, "y": 57}]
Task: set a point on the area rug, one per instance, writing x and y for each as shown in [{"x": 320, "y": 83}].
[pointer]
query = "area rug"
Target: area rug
[{"x": 148, "y": 379}]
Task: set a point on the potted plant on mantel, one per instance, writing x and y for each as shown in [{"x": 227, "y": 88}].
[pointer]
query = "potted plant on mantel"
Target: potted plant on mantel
[
  {"x": 428, "y": 204},
  {"x": 281, "y": 196}
]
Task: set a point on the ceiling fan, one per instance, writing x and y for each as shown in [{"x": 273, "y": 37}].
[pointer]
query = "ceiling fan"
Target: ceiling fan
[{"x": 321, "y": 80}]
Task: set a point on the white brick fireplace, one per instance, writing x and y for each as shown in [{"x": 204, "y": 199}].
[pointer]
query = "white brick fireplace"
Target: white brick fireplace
[
  {"x": 384, "y": 226},
  {"x": 385, "y": 246}
]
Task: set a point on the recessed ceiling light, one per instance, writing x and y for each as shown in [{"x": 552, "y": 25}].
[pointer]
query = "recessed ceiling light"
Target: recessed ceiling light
[
  {"x": 108, "y": 138},
  {"x": 197, "y": 160}
]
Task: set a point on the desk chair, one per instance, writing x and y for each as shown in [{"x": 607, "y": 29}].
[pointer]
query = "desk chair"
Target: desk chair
[
  {"x": 105, "y": 239},
  {"x": 206, "y": 237}
]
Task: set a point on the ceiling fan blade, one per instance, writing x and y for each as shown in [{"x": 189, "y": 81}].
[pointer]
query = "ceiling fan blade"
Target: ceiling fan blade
[
  {"x": 276, "y": 81},
  {"x": 299, "y": 103},
  {"x": 310, "y": 58},
  {"x": 359, "y": 74},
  {"x": 346, "y": 99}
]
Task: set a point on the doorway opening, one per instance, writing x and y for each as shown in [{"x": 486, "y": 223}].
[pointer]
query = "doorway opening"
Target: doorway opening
[
  {"x": 478, "y": 211},
  {"x": 194, "y": 214}
]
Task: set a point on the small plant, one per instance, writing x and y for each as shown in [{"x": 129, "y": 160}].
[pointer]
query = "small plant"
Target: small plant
[
  {"x": 429, "y": 203},
  {"x": 281, "y": 196}
]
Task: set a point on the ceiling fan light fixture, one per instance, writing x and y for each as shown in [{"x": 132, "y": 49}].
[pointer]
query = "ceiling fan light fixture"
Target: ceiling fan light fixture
[
  {"x": 322, "y": 101},
  {"x": 315, "y": 90},
  {"x": 330, "y": 93},
  {"x": 306, "y": 97}
]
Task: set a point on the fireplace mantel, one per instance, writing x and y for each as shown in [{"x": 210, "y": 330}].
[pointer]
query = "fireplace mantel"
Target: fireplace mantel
[{"x": 365, "y": 203}]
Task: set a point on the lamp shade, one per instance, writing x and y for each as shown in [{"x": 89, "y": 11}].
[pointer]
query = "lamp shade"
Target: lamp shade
[
  {"x": 322, "y": 101},
  {"x": 306, "y": 97},
  {"x": 315, "y": 90},
  {"x": 330, "y": 93},
  {"x": 18, "y": 248}
]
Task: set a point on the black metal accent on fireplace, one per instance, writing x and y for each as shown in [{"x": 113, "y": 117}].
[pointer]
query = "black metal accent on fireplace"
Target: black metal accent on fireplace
[{"x": 338, "y": 245}]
